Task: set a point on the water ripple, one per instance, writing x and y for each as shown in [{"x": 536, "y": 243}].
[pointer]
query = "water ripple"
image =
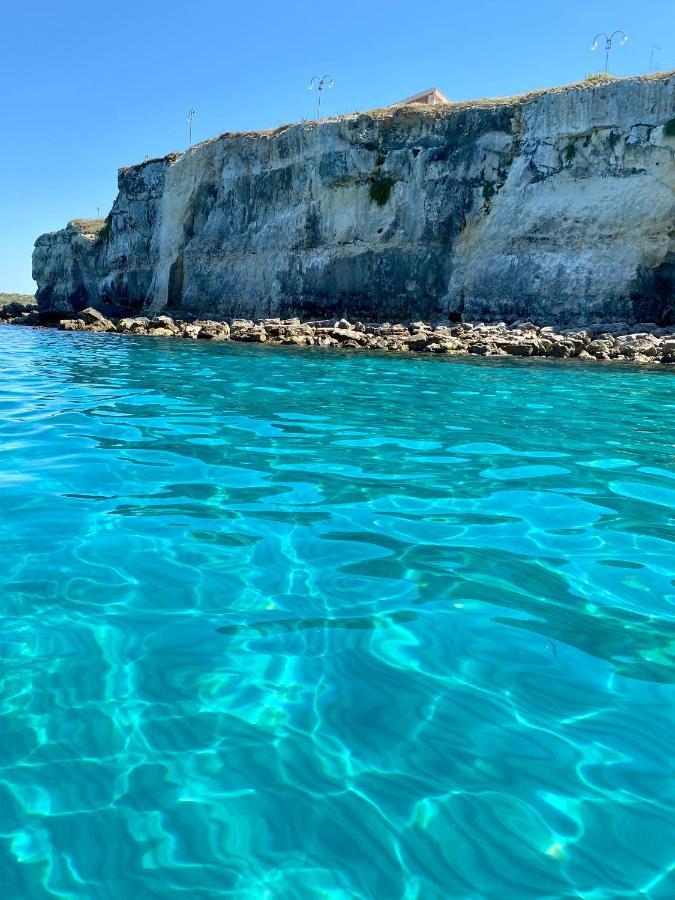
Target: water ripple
[{"x": 281, "y": 623}]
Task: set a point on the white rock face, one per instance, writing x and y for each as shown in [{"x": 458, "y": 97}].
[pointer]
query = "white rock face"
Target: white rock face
[{"x": 558, "y": 207}]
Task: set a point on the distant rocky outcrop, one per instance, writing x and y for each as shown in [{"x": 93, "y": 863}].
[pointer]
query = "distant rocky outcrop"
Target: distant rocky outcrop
[
  {"x": 557, "y": 206},
  {"x": 16, "y": 301}
]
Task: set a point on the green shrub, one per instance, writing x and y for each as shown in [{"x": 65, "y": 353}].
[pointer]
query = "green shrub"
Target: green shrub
[
  {"x": 570, "y": 152},
  {"x": 380, "y": 160},
  {"x": 669, "y": 128},
  {"x": 380, "y": 189}
]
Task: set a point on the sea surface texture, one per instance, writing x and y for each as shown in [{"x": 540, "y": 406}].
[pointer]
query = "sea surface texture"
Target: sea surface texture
[{"x": 284, "y": 623}]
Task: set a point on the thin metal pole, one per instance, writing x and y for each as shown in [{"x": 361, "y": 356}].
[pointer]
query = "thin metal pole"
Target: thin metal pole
[
  {"x": 191, "y": 112},
  {"x": 651, "y": 56}
]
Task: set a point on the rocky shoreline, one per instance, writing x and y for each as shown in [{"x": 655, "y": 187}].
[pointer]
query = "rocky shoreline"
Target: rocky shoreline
[{"x": 645, "y": 343}]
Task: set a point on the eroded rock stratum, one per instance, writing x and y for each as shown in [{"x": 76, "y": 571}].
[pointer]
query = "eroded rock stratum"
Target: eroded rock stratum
[{"x": 558, "y": 207}]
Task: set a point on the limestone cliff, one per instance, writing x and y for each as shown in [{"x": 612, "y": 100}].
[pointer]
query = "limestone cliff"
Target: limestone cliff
[{"x": 556, "y": 206}]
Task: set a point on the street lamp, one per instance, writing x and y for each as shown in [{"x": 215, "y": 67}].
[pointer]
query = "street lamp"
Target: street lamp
[
  {"x": 608, "y": 43},
  {"x": 190, "y": 117},
  {"x": 320, "y": 83}
]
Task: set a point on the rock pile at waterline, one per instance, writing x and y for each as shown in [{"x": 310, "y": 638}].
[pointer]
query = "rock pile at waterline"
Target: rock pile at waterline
[{"x": 643, "y": 343}]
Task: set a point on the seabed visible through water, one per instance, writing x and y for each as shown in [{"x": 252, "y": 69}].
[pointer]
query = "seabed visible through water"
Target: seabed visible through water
[{"x": 292, "y": 623}]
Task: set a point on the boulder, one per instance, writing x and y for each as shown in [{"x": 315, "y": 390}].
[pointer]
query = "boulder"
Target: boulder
[
  {"x": 419, "y": 340},
  {"x": 248, "y": 332},
  {"x": 518, "y": 346},
  {"x": 290, "y": 332},
  {"x": 214, "y": 331},
  {"x": 447, "y": 345},
  {"x": 136, "y": 325},
  {"x": 668, "y": 352},
  {"x": 165, "y": 323},
  {"x": 93, "y": 317},
  {"x": 325, "y": 340},
  {"x": 642, "y": 344},
  {"x": 342, "y": 335}
]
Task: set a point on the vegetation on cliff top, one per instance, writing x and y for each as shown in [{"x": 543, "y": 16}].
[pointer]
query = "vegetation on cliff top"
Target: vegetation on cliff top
[
  {"x": 88, "y": 226},
  {"x": 600, "y": 76},
  {"x": 93, "y": 228}
]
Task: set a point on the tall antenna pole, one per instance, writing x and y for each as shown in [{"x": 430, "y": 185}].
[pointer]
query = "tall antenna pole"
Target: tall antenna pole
[
  {"x": 651, "y": 56},
  {"x": 190, "y": 117}
]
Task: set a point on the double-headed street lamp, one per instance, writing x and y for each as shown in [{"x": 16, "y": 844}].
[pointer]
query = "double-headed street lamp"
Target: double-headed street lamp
[
  {"x": 608, "y": 43},
  {"x": 320, "y": 83}
]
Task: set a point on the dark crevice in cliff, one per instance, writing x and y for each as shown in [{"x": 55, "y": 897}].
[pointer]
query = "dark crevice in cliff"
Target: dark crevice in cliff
[
  {"x": 654, "y": 294},
  {"x": 176, "y": 276}
]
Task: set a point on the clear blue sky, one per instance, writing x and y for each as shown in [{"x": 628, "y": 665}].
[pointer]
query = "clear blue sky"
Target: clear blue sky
[{"x": 89, "y": 86}]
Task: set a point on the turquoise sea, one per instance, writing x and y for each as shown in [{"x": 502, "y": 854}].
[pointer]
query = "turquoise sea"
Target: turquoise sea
[{"x": 283, "y": 623}]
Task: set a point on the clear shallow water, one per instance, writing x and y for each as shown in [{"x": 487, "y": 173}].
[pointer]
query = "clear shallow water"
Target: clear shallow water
[{"x": 295, "y": 624}]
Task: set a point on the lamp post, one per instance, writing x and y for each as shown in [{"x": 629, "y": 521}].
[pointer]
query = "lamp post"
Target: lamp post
[
  {"x": 320, "y": 83},
  {"x": 651, "y": 57},
  {"x": 190, "y": 117},
  {"x": 608, "y": 43}
]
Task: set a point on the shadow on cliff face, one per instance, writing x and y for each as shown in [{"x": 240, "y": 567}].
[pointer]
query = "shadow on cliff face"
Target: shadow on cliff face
[
  {"x": 654, "y": 297},
  {"x": 385, "y": 285}
]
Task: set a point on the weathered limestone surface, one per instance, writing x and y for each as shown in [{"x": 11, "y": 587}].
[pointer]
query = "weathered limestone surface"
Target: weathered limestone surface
[{"x": 557, "y": 207}]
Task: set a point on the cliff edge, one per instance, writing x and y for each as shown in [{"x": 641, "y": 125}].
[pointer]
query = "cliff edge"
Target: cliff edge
[{"x": 557, "y": 206}]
